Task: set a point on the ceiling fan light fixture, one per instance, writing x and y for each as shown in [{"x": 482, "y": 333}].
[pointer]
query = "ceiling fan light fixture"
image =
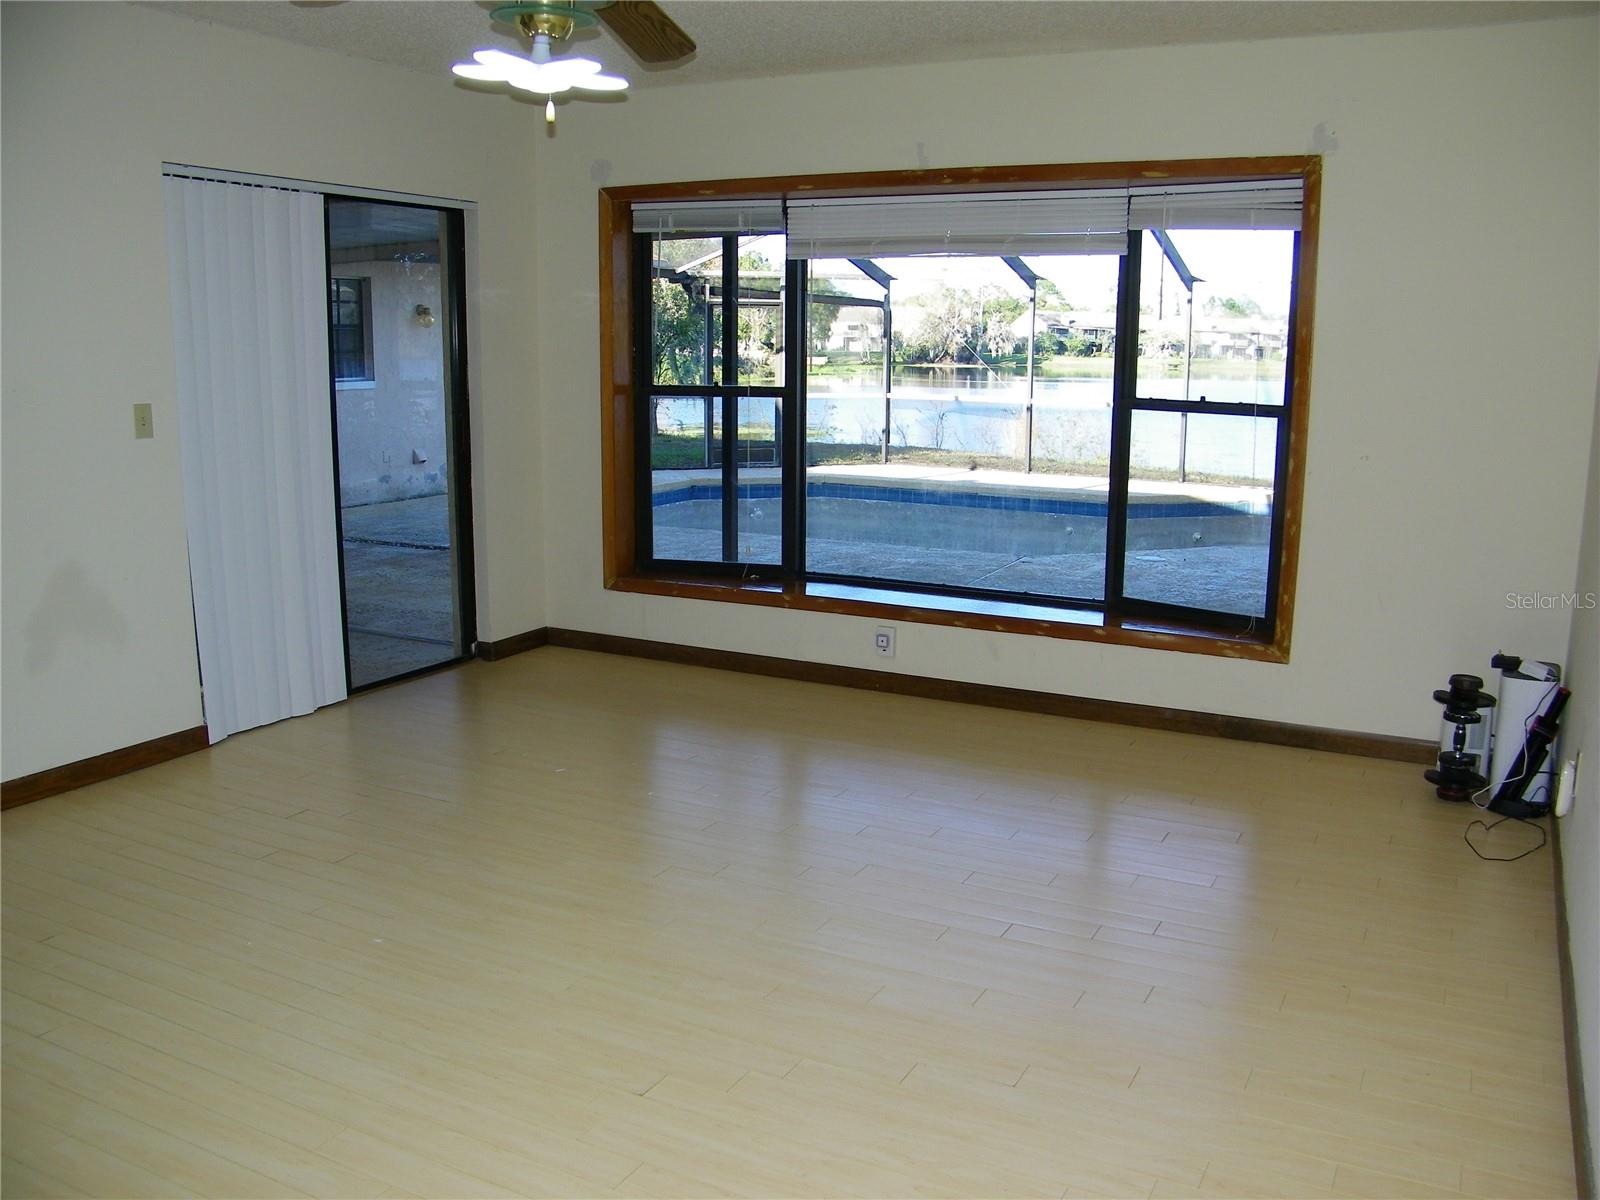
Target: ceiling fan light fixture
[
  {"x": 539, "y": 72},
  {"x": 546, "y": 22}
]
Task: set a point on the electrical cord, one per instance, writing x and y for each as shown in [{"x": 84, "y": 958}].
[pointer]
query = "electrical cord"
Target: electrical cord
[{"x": 1544, "y": 837}]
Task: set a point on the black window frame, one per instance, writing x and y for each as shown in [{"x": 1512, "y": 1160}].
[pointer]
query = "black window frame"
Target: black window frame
[
  {"x": 361, "y": 327},
  {"x": 726, "y": 396},
  {"x": 1126, "y": 402},
  {"x": 789, "y": 397}
]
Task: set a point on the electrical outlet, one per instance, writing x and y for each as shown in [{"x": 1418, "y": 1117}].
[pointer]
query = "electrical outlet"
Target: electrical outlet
[
  {"x": 144, "y": 423},
  {"x": 883, "y": 641}
]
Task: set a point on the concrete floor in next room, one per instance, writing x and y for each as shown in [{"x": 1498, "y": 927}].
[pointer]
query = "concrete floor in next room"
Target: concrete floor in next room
[{"x": 399, "y": 587}]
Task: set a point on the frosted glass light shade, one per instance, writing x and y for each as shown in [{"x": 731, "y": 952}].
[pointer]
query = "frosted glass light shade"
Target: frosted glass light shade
[{"x": 544, "y": 78}]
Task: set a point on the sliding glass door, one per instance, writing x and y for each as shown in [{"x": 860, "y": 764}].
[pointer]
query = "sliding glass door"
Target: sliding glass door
[{"x": 397, "y": 352}]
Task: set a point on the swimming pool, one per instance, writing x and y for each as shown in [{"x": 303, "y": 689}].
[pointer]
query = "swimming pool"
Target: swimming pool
[
  {"x": 1041, "y": 521},
  {"x": 1043, "y": 539}
]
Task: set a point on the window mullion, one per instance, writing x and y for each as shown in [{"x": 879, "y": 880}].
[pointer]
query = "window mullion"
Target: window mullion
[
  {"x": 1280, "y": 469},
  {"x": 643, "y": 400},
  {"x": 696, "y": 390},
  {"x": 730, "y": 398},
  {"x": 1123, "y": 388},
  {"x": 1204, "y": 408},
  {"x": 793, "y": 448}
]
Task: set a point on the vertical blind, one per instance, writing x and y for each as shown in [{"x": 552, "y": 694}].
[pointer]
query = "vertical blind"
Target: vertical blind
[{"x": 248, "y": 279}]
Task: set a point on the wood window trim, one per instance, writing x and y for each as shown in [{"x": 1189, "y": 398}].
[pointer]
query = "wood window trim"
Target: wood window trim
[{"x": 617, "y": 408}]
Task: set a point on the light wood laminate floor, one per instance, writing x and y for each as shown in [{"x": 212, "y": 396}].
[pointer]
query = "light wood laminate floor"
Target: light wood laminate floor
[{"x": 580, "y": 925}]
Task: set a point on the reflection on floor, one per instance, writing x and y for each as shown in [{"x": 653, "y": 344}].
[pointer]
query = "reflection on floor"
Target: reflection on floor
[{"x": 398, "y": 587}]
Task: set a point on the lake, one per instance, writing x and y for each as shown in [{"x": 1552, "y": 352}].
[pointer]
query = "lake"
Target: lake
[{"x": 974, "y": 410}]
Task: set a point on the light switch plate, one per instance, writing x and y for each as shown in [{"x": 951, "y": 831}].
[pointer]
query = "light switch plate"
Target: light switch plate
[{"x": 144, "y": 423}]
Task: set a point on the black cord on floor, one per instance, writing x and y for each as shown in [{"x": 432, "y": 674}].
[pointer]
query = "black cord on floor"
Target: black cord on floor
[{"x": 1466, "y": 836}]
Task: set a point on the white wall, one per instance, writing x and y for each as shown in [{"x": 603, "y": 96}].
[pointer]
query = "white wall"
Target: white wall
[
  {"x": 1580, "y": 833},
  {"x": 1457, "y": 312},
  {"x": 398, "y": 414},
  {"x": 1456, "y": 331},
  {"x": 96, "y": 633}
]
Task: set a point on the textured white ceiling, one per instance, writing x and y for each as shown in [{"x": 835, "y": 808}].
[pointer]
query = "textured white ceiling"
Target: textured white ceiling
[{"x": 744, "y": 38}]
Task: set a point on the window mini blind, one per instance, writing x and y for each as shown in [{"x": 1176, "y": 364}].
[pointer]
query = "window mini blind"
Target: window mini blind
[
  {"x": 1248, "y": 204},
  {"x": 1085, "y": 221},
  {"x": 1079, "y": 221},
  {"x": 705, "y": 217}
]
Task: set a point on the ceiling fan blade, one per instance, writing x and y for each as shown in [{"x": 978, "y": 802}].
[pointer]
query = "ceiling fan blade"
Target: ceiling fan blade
[{"x": 642, "y": 27}]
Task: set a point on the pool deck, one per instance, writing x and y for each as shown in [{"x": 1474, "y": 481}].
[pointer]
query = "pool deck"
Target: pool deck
[
  {"x": 1228, "y": 578},
  {"x": 397, "y": 560},
  {"x": 398, "y": 587},
  {"x": 1164, "y": 560},
  {"x": 982, "y": 481}
]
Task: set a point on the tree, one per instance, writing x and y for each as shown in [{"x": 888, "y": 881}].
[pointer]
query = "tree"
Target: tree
[
  {"x": 948, "y": 316},
  {"x": 760, "y": 332},
  {"x": 1233, "y": 306},
  {"x": 1053, "y": 298},
  {"x": 998, "y": 312},
  {"x": 1047, "y": 344},
  {"x": 958, "y": 326},
  {"x": 678, "y": 332},
  {"x": 819, "y": 326},
  {"x": 678, "y": 316}
]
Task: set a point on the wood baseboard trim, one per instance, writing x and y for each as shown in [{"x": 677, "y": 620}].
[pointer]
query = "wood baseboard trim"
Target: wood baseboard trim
[
  {"x": 1084, "y": 708},
  {"x": 53, "y": 782},
  {"x": 1582, "y": 1151},
  {"x": 516, "y": 644}
]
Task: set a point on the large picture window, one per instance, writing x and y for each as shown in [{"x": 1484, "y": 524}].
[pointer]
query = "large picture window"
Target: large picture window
[{"x": 1074, "y": 410}]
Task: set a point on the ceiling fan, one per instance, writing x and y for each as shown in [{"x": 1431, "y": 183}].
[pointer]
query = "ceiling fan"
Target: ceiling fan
[{"x": 639, "y": 25}]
